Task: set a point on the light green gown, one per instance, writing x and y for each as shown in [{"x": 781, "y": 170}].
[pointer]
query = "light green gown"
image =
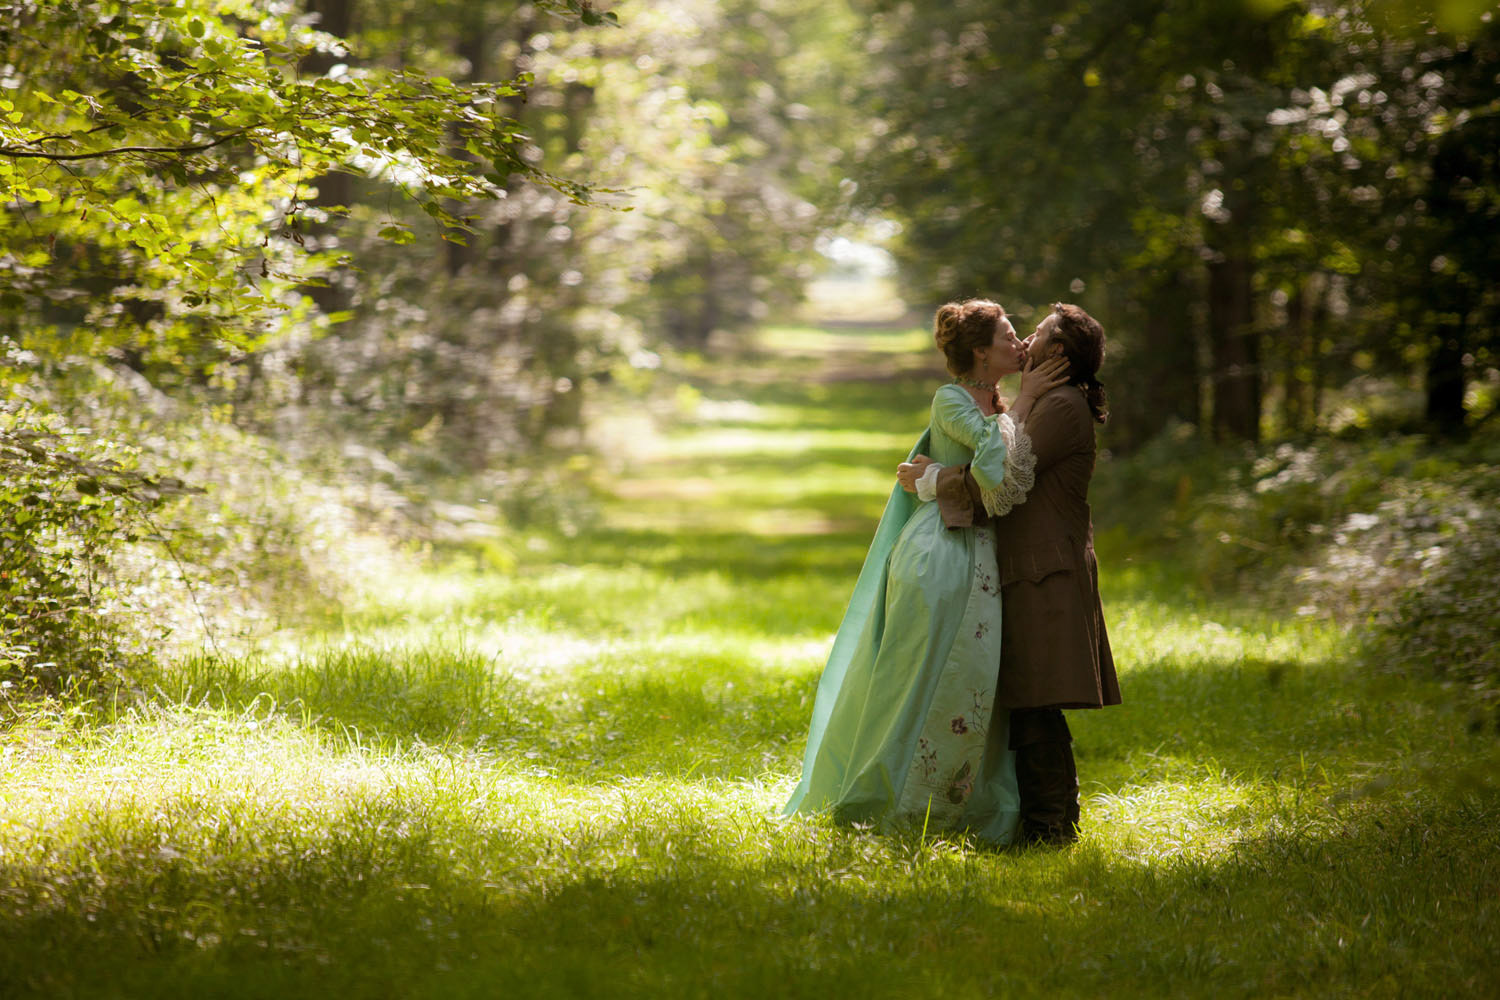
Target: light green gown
[{"x": 904, "y": 728}]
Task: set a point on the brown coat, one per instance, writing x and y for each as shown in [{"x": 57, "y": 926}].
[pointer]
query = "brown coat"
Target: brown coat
[{"x": 1054, "y": 651}]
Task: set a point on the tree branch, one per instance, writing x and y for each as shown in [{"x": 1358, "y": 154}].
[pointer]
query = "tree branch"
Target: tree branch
[{"x": 18, "y": 154}]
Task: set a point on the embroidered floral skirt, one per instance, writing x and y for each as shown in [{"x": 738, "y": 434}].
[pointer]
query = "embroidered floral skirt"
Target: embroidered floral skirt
[{"x": 914, "y": 737}]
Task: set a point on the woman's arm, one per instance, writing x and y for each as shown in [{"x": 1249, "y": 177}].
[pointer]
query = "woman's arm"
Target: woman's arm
[
  {"x": 1058, "y": 426},
  {"x": 1036, "y": 381},
  {"x": 955, "y": 413},
  {"x": 1002, "y": 463}
]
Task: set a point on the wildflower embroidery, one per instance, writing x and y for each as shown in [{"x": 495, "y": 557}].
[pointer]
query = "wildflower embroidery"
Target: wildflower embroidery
[
  {"x": 959, "y": 726},
  {"x": 927, "y": 758},
  {"x": 980, "y": 712},
  {"x": 961, "y": 785}
]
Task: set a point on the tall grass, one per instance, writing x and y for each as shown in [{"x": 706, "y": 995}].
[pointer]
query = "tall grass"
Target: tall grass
[{"x": 563, "y": 778}]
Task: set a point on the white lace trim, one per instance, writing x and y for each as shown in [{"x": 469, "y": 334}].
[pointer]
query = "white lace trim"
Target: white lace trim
[
  {"x": 927, "y": 485},
  {"x": 1020, "y": 469}
]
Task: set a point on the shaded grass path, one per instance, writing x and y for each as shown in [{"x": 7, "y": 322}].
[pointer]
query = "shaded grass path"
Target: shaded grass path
[{"x": 552, "y": 768}]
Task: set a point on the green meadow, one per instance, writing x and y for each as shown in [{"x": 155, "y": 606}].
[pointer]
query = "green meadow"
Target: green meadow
[{"x": 551, "y": 764}]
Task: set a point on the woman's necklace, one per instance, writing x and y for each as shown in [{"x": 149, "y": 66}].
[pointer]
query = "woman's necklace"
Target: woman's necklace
[{"x": 979, "y": 385}]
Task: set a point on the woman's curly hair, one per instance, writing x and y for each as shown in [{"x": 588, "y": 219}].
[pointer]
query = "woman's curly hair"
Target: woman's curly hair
[{"x": 960, "y": 328}]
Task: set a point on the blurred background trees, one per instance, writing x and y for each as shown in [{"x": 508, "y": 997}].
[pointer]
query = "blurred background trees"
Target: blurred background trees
[
  {"x": 400, "y": 244},
  {"x": 1269, "y": 200},
  {"x": 430, "y": 222},
  {"x": 266, "y": 244},
  {"x": 436, "y": 223},
  {"x": 711, "y": 129}
]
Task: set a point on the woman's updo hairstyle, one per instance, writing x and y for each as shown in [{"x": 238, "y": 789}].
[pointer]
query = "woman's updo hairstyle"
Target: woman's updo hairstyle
[
  {"x": 1082, "y": 340},
  {"x": 961, "y": 328}
]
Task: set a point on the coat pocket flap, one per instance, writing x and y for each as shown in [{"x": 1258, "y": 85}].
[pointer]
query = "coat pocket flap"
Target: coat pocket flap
[{"x": 1035, "y": 562}]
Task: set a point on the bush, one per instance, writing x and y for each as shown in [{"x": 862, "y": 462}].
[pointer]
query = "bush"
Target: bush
[
  {"x": 108, "y": 561},
  {"x": 1441, "y": 545},
  {"x": 1397, "y": 537},
  {"x": 68, "y": 502}
]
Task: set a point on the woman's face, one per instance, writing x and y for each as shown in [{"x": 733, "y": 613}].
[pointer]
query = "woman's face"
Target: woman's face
[{"x": 1004, "y": 355}]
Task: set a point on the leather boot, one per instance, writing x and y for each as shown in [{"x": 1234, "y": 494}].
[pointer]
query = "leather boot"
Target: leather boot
[{"x": 1046, "y": 777}]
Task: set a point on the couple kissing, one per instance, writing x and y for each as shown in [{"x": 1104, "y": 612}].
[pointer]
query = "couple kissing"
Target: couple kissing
[{"x": 976, "y": 620}]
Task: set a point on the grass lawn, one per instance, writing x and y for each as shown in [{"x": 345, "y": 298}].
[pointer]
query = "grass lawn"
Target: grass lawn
[{"x": 559, "y": 773}]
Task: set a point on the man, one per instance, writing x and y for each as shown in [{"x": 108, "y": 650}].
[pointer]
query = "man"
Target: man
[{"x": 1054, "y": 651}]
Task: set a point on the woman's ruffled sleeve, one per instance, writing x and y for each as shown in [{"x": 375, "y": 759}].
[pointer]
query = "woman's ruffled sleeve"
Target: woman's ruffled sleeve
[{"x": 1003, "y": 464}]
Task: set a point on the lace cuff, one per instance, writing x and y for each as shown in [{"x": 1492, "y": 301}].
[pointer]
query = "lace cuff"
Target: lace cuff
[
  {"x": 1020, "y": 469},
  {"x": 927, "y": 485}
]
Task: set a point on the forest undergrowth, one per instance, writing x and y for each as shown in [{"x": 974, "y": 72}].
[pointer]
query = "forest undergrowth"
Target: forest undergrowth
[{"x": 549, "y": 761}]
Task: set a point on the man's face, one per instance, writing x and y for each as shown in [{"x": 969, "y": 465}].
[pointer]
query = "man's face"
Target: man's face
[{"x": 1039, "y": 345}]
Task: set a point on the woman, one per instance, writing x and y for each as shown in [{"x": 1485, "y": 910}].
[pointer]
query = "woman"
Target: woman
[{"x": 899, "y": 727}]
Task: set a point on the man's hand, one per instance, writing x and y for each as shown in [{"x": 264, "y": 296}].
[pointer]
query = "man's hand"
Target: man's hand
[
  {"x": 907, "y": 473},
  {"x": 1042, "y": 376},
  {"x": 1038, "y": 377}
]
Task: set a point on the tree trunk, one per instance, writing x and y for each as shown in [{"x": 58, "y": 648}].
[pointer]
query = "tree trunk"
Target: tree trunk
[
  {"x": 1316, "y": 290},
  {"x": 1449, "y": 295},
  {"x": 1298, "y": 349},
  {"x": 523, "y": 25},
  {"x": 1166, "y": 361},
  {"x": 578, "y": 98},
  {"x": 472, "y": 46},
  {"x": 1234, "y": 342},
  {"x": 1445, "y": 377},
  {"x": 1236, "y": 347},
  {"x": 708, "y": 315},
  {"x": 1292, "y": 407},
  {"x": 1177, "y": 372},
  {"x": 335, "y": 190}
]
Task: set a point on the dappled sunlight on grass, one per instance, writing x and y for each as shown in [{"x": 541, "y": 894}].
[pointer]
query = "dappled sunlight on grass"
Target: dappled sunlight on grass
[
  {"x": 1167, "y": 818},
  {"x": 770, "y": 448},
  {"x": 615, "y": 601},
  {"x": 247, "y": 841},
  {"x": 782, "y": 522},
  {"x": 790, "y": 341},
  {"x": 554, "y": 762}
]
